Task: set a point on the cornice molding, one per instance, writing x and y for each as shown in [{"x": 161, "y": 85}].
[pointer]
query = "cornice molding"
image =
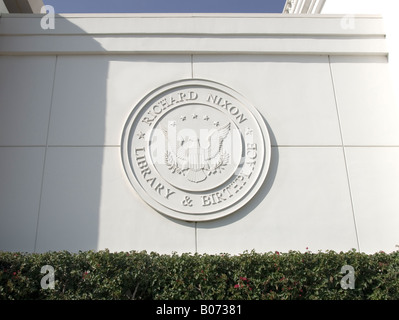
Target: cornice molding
[{"x": 303, "y": 6}]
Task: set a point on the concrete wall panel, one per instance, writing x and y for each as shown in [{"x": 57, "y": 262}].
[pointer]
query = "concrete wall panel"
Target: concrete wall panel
[{"x": 323, "y": 91}]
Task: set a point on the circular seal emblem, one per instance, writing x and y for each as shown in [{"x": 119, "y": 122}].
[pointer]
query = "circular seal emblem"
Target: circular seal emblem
[{"x": 195, "y": 150}]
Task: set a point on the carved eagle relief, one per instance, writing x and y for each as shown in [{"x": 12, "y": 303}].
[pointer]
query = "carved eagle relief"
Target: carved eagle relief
[{"x": 195, "y": 162}]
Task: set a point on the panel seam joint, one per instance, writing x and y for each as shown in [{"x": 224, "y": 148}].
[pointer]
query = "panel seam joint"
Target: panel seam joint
[{"x": 344, "y": 154}]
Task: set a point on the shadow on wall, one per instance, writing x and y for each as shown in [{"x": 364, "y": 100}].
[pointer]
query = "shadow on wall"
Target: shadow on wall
[
  {"x": 54, "y": 147},
  {"x": 71, "y": 197},
  {"x": 51, "y": 158}
]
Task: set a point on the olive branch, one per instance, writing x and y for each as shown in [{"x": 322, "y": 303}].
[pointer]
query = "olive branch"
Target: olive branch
[{"x": 220, "y": 165}]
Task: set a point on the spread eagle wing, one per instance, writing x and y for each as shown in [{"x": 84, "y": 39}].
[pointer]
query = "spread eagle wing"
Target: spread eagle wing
[
  {"x": 175, "y": 161},
  {"x": 215, "y": 141}
]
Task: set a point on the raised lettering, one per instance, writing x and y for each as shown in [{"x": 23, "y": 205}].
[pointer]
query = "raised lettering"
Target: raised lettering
[
  {"x": 172, "y": 101},
  {"x": 243, "y": 174},
  {"x": 192, "y": 95},
  {"x": 137, "y": 150},
  {"x": 215, "y": 99},
  {"x": 182, "y": 96},
  {"x": 157, "y": 109},
  {"x": 151, "y": 181},
  {"x": 142, "y": 163},
  {"x": 228, "y": 190},
  {"x": 219, "y": 197},
  {"x": 252, "y": 151},
  {"x": 226, "y": 104},
  {"x": 206, "y": 201},
  {"x": 159, "y": 187},
  {"x": 241, "y": 118},
  {"x": 212, "y": 199},
  {"x": 149, "y": 120},
  {"x": 234, "y": 110},
  {"x": 145, "y": 171},
  {"x": 164, "y": 103},
  {"x": 168, "y": 193}
]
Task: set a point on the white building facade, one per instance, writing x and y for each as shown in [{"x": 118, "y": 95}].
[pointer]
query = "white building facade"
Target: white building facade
[{"x": 320, "y": 92}]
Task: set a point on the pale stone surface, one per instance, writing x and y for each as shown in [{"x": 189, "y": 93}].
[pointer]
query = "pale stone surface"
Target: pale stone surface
[
  {"x": 92, "y": 109},
  {"x": 304, "y": 203},
  {"x": 367, "y": 109},
  {"x": 236, "y": 24},
  {"x": 21, "y": 175},
  {"x": 196, "y": 150},
  {"x": 322, "y": 90},
  {"x": 25, "y": 96},
  {"x": 388, "y": 9},
  {"x": 194, "y": 34},
  {"x": 293, "y": 93},
  {"x": 88, "y": 204},
  {"x": 374, "y": 177}
]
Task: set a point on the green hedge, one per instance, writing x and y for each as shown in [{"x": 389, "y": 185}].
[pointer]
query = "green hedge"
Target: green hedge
[{"x": 141, "y": 275}]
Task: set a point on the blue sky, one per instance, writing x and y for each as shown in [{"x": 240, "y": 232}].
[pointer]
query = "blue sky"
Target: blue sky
[{"x": 190, "y": 6}]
